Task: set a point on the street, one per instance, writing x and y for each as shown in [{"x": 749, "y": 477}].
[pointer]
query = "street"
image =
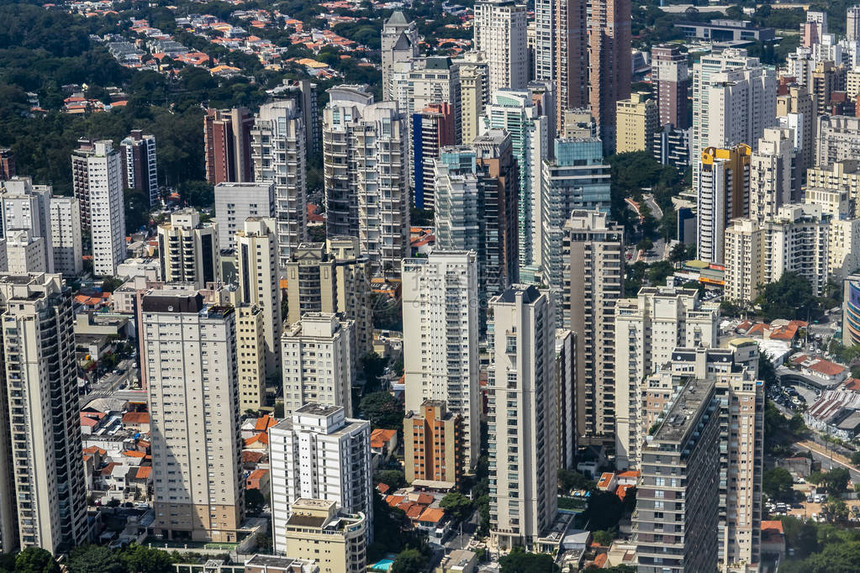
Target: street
[{"x": 107, "y": 385}]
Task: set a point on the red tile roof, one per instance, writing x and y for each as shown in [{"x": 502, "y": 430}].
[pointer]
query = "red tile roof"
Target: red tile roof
[
  {"x": 134, "y": 454},
  {"x": 252, "y": 457},
  {"x": 263, "y": 424},
  {"x": 432, "y": 515},
  {"x": 262, "y": 438},
  {"x": 827, "y": 368},
  {"x": 135, "y": 418},
  {"x": 380, "y": 437},
  {"x": 143, "y": 472}
]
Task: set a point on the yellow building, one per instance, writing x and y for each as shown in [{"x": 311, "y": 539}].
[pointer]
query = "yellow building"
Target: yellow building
[
  {"x": 637, "y": 119},
  {"x": 316, "y": 531}
]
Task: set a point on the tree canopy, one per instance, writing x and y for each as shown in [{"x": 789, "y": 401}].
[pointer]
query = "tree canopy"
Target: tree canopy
[
  {"x": 790, "y": 297},
  {"x": 383, "y": 410},
  {"x": 518, "y": 561}
]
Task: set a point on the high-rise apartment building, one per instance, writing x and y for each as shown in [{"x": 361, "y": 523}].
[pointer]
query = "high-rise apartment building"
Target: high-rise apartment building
[
  {"x": 707, "y": 71},
  {"x": 794, "y": 109},
  {"x": 576, "y": 179},
  {"x": 515, "y": 112},
  {"x": 671, "y": 74},
  {"x": 7, "y": 164},
  {"x": 837, "y": 139},
  {"x": 474, "y": 94},
  {"x": 399, "y": 44},
  {"x": 140, "y": 166},
  {"x": 637, "y": 119},
  {"x": 257, "y": 262},
  {"x": 305, "y": 95},
  {"x": 522, "y": 400},
  {"x": 250, "y": 357},
  {"x": 795, "y": 240},
  {"x": 593, "y": 270},
  {"x": 235, "y": 202},
  {"x": 278, "y": 152},
  {"x": 433, "y": 444},
  {"x": 432, "y": 129},
  {"x": 367, "y": 178},
  {"x": 609, "y": 65},
  {"x": 440, "y": 347},
  {"x": 66, "y": 236},
  {"x": 774, "y": 178},
  {"x": 677, "y": 507},
  {"x": 27, "y": 207},
  {"x": 43, "y": 485},
  {"x": 188, "y": 250},
  {"x": 318, "y": 363},
  {"x": 500, "y": 33},
  {"x": 340, "y": 118},
  {"x": 647, "y": 330},
  {"x": 317, "y": 531},
  {"x": 842, "y": 178},
  {"x": 476, "y": 210},
  {"x": 319, "y": 453},
  {"x": 724, "y": 188},
  {"x": 432, "y": 81},
  {"x": 25, "y": 253},
  {"x": 852, "y": 23},
  {"x": 227, "y": 141},
  {"x": 98, "y": 185},
  {"x": 565, "y": 378},
  {"x": 191, "y": 375},
  {"x": 332, "y": 278},
  {"x": 561, "y": 51}
]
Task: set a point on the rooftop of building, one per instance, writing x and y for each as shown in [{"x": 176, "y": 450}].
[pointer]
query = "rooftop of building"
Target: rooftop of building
[
  {"x": 684, "y": 412},
  {"x": 314, "y": 409},
  {"x": 529, "y": 293}
]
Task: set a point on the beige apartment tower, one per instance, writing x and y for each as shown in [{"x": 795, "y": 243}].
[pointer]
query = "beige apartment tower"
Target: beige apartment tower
[
  {"x": 317, "y": 362},
  {"x": 190, "y": 349},
  {"x": 189, "y": 250},
  {"x": 637, "y": 119},
  {"x": 257, "y": 256},
  {"x": 251, "y": 355},
  {"x": 593, "y": 249}
]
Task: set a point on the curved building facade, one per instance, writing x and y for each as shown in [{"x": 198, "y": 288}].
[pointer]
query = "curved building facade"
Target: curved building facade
[{"x": 851, "y": 311}]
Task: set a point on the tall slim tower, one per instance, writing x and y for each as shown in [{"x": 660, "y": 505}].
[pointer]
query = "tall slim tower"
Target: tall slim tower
[
  {"x": 399, "y": 44},
  {"x": 43, "y": 484},
  {"x": 319, "y": 453},
  {"x": 593, "y": 247},
  {"x": 140, "y": 166},
  {"x": 522, "y": 397},
  {"x": 774, "y": 173},
  {"x": 610, "y": 67},
  {"x": 227, "y": 140},
  {"x": 257, "y": 254},
  {"x": 66, "y": 236},
  {"x": 192, "y": 376},
  {"x": 515, "y": 112},
  {"x": 500, "y": 33},
  {"x": 561, "y": 51},
  {"x": 278, "y": 152},
  {"x": 440, "y": 295},
  {"x": 98, "y": 185},
  {"x": 669, "y": 64},
  {"x": 26, "y": 207},
  {"x": 724, "y": 189},
  {"x": 188, "y": 250}
]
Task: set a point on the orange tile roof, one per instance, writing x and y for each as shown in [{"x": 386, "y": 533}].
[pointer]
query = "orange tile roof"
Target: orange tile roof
[
  {"x": 394, "y": 500},
  {"x": 621, "y": 492},
  {"x": 629, "y": 474},
  {"x": 89, "y": 422},
  {"x": 134, "y": 454},
  {"x": 413, "y": 510},
  {"x": 380, "y": 437},
  {"x": 382, "y": 488},
  {"x": 425, "y": 499},
  {"x": 852, "y": 384},
  {"x": 432, "y": 515},
  {"x": 95, "y": 450},
  {"x": 605, "y": 479},
  {"x": 262, "y": 437},
  {"x": 600, "y": 560},
  {"x": 143, "y": 472},
  {"x": 827, "y": 368},
  {"x": 252, "y": 457},
  {"x": 263, "y": 424},
  {"x": 106, "y": 471},
  {"x": 135, "y": 418}
]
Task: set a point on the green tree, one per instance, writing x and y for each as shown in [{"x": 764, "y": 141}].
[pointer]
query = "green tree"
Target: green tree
[
  {"x": 457, "y": 506},
  {"x": 678, "y": 254},
  {"x": 518, "y": 561},
  {"x": 394, "y": 479},
  {"x": 836, "y": 481},
  {"x": 409, "y": 561},
  {"x": 605, "y": 537},
  {"x": 855, "y": 459},
  {"x": 658, "y": 272},
  {"x": 777, "y": 483},
  {"x": 141, "y": 559},
  {"x": 35, "y": 560},
  {"x": 836, "y": 509},
  {"x": 569, "y": 480},
  {"x": 383, "y": 410},
  {"x": 790, "y": 297},
  {"x": 95, "y": 559}
]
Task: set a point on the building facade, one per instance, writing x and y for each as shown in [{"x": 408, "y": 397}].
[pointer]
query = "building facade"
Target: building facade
[
  {"x": 433, "y": 444},
  {"x": 140, "y": 165},
  {"x": 235, "y": 202},
  {"x": 227, "y": 145},
  {"x": 188, "y": 250},
  {"x": 500, "y": 33}
]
